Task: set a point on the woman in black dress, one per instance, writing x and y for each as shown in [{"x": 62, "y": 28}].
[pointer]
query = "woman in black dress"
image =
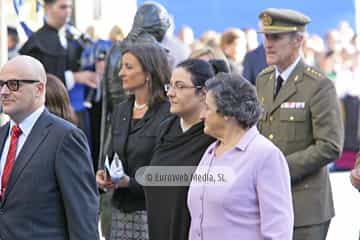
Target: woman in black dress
[
  {"x": 135, "y": 128},
  {"x": 181, "y": 144}
]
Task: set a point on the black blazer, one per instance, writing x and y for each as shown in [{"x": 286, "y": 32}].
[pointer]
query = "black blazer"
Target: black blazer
[
  {"x": 45, "y": 46},
  {"x": 134, "y": 147}
]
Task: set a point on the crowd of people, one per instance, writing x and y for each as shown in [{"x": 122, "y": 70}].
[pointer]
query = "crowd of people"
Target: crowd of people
[{"x": 214, "y": 138}]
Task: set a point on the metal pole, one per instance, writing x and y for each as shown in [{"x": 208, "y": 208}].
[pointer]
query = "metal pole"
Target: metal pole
[{"x": 3, "y": 34}]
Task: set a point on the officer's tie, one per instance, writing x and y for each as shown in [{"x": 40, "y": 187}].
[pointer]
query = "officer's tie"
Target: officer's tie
[{"x": 279, "y": 82}]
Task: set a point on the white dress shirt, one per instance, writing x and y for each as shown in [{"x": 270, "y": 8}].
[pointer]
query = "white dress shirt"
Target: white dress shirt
[
  {"x": 287, "y": 72},
  {"x": 26, "y": 126}
]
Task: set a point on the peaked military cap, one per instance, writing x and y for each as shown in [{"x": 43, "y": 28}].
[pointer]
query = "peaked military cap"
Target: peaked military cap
[{"x": 274, "y": 20}]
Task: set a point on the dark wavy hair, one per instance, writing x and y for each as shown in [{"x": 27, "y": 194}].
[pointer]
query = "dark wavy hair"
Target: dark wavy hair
[
  {"x": 154, "y": 62},
  {"x": 235, "y": 97},
  {"x": 220, "y": 65},
  {"x": 199, "y": 70}
]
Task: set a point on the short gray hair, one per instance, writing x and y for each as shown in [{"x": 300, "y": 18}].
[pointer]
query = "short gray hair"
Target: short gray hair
[{"x": 235, "y": 97}]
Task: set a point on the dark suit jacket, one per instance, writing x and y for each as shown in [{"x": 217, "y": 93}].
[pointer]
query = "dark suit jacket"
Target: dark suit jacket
[
  {"x": 304, "y": 121},
  {"x": 254, "y": 62},
  {"x": 134, "y": 146},
  {"x": 52, "y": 191},
  {"x": 45, "y": 46}
]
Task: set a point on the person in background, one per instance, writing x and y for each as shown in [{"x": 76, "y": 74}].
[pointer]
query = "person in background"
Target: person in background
[
  {"x": 12, "y": 42},
  {"x": 233, "y": 44},
  {"x": 57, "y": 99},
  {"x": 178, "y": 51},
  {"x": 251, "y": 39},
  {"x": 219, "y": 65},
  {"x": 207, "y": 53},
  {"x": 210, "y": 38},
  {"x": 136, "y": 125},
  {"x": 212, "y": 55},
  {"x": 47, "y": 182},
  {"x": 60, "y": 53},
  {"x": 186, "y": 35},
  {"x": 116, "y": 34},
  {"x": 249, "y": 194},
  {"x": 254, "y": 63},
  {"x": 302, "y": 117},
  {"x": 181, "y": 144}
]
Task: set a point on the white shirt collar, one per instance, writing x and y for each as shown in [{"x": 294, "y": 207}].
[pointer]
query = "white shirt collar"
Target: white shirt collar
[
  {"x": 27, "y": 124},
  {"x": 286, "y": 73},
  {"x": 62, "y": 37}
]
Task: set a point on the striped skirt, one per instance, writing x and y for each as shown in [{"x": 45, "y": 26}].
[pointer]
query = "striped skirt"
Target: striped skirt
[{"x": 129, "y": 226}]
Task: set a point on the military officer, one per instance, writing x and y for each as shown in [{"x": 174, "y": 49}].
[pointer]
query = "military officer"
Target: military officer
[{"x": 302, "y": 117}]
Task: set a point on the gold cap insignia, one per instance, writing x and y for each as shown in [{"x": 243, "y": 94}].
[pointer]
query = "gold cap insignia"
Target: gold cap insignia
[{"x": 266, "y": 20}]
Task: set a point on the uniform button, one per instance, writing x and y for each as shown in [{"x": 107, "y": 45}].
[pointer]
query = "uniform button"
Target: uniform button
[
  {"x": 306, "y": 185},
  {"x": 291, "y": 118},
  {"x": 271, "y": 137},
  {"x": 271, "y": 118}
]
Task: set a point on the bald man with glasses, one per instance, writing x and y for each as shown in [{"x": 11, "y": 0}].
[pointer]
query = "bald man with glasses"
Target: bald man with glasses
[{"x": 47, "y": 184}]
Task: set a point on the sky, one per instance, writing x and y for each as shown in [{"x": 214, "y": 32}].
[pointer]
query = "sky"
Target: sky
[{"x": 219, "y": 15}]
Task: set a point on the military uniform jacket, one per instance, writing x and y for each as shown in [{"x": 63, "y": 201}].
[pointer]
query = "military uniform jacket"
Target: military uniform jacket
[{"x": 304, "y": 121}]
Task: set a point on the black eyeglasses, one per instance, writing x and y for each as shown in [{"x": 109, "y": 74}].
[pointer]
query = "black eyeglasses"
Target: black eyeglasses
[
  {"x": 179, "y": 86},
  {"x": 14, "y": 84}
]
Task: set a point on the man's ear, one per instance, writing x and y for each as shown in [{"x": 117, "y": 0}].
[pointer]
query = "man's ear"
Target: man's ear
[
  {"x": 41, "y": 87},
  {"x": 299, "y": 40}
]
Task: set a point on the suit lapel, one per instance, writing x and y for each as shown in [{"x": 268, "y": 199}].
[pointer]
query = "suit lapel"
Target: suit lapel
[
  {"x": 4, "y": 133},
  {"x": 289, "y": 88},
  {"x": 143, "y": 120},
  {"x": 123, "y": 126},
  {"x": 36, "y": 137}
]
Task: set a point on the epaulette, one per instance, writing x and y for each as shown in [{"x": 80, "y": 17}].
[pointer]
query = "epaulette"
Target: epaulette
[
  {"x": 313, "y": 73},
  {"x": 266, "y": 70}
]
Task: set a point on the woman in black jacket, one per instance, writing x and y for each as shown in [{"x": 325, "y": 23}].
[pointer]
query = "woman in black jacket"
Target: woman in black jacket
[
  {"x": 136, "y": 124},
  {"x": 180, "y": 146}
]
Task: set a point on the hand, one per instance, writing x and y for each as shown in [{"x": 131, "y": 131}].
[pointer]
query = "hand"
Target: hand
[
  {"x": 124, "y": 182},
  {"x": 355, "y": 177},
  {"x": 100, "y": 68},
  {"x": 87, "y": 78},
  {"x": 103, "y": 181}
]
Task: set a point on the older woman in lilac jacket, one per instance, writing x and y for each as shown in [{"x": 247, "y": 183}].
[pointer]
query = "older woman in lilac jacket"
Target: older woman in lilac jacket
[{"x": 241, "y": 187}]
